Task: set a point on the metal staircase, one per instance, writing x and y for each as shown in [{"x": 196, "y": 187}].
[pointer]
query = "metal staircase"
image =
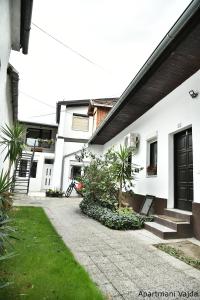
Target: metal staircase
[{"x": 22, "y": 173}]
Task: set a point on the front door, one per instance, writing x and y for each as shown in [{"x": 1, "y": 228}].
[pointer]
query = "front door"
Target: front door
[
  {"x": 183, "y": 170},
  {"x": 47, "y": 176}
]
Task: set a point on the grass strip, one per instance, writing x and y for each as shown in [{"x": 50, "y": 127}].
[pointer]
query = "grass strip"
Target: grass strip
[
  {"x": 180, "y": 255},
  {"x": 44, "y": 267}
]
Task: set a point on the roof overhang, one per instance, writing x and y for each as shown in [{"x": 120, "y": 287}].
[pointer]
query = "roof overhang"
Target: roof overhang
[
  {"x": 21, "y": 13},
  {"x": 70, "y": 103},
  {"x": 27, "y": 123},
  {"x": 175, "y": 59}
]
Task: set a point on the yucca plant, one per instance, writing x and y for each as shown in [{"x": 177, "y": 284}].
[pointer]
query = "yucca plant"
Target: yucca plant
[
  {"x": 122, "y": 169},
  {"x": 6, "y": 232},
  {"x": 12, "y": 139},
  {"x": 5, "y": 195}
]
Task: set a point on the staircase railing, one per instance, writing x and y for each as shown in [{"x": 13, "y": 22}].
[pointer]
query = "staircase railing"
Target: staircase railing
[{"x": 23, "y": 184}]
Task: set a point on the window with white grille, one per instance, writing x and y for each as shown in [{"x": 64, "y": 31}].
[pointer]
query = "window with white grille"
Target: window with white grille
[{"x": 80, "y": 122}]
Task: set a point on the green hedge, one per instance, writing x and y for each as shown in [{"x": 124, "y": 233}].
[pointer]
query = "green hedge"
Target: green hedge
[{"x": 113, "y": 219}]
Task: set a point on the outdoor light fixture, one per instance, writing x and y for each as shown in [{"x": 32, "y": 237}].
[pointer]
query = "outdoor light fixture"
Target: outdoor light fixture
[{"x": 193, "y": 94}]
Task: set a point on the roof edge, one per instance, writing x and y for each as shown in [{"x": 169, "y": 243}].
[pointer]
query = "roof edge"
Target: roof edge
[{"x": 170, "y": 36}]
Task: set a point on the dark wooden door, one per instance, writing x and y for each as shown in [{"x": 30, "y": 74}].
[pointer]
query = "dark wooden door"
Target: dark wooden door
[{"x": 183, "y": 170}]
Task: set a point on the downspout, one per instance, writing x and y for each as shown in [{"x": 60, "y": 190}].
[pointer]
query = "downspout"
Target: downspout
[{"x": 26, "y": 14}]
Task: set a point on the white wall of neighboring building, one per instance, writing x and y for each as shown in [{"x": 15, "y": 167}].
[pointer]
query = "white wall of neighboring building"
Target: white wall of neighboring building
[
  {"x": 10, "y": 15},
  {"x": 5, "y": 48},
  {"x": 68, "y": 131},
  {"x": 176, "y": 112},
  {"x": 36, "y": 184},
  {"x": 64, "y": 147},
  {"x": 68, "y": 163}
]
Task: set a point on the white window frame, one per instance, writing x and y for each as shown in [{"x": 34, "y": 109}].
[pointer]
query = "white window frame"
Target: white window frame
[{"x": 149, "y": 142}]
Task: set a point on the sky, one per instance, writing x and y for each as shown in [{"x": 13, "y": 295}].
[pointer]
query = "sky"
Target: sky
[{"x": 104, "y": 45}]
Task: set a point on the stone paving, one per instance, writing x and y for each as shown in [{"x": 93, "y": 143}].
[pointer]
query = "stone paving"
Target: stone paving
[{"x": 124, "y": 264}]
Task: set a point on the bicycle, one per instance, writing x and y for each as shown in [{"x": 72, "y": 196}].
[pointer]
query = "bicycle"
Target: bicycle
[{"x": 71, "y": 187}]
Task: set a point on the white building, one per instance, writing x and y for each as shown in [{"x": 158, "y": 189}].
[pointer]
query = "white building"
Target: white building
[
  {"x": 162, "y": 106},
  {"x": 15, "y": 19},
  {"x": 40, "y": 139},
  {"x": 76, "y": 124}
]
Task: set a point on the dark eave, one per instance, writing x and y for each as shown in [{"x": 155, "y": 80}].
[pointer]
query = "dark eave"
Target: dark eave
[
  {"x": 38, "y": 124},
  {"x": 175, "y": 59},
  {"x": 26, "y": 15},
  {"x": 70, "y": 103},
  {"x": 14, "y": 80}
]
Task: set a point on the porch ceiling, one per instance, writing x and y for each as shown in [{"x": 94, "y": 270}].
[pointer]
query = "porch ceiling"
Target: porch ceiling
[{"x": 172, "y": 66}]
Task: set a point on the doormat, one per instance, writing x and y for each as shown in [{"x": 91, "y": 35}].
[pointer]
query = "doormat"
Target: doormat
[{"x": 183, "y": 250}]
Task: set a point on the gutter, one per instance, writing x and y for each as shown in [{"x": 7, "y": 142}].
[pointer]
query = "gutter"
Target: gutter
[
  {"x": 169, "y": 37},
  {"x": 26, "y": 14}
]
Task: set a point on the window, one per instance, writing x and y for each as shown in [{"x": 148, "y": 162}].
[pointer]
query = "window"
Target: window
[
  {"x": 23, "y": 168},
  {"x": 80, "y": 122},
  {"x": 33, "y": 134},
  {"x": 48, "y": 161},
  {"x": 34, "y": 169},
  {"x": 152, "y": 159},
  {"x": 75, "y": 172},
  {"x": 130, "y": 164}
]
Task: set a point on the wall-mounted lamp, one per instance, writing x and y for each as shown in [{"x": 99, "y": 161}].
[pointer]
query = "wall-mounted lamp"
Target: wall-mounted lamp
[{"x": 193, "y": 94}]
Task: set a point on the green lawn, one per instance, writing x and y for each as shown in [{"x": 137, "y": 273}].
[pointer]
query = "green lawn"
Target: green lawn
[{"x": 44, "y": 268}]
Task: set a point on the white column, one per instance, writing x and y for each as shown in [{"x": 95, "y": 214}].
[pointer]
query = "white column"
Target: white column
[{"x": 59, "y": 148}]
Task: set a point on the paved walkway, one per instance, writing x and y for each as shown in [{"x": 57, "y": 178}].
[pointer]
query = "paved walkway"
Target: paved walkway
[{"x": 124, "y": 264}]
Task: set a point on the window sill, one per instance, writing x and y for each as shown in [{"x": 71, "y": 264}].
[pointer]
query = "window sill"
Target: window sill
[{"x": 150, "y": 176}]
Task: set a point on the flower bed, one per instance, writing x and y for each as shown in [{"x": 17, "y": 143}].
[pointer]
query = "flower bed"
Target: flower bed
[
  {"x": 54, "y": 193},
  {"x": 112, "y": 218}
]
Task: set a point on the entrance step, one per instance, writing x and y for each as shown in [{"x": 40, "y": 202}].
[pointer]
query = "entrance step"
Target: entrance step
[
  {"x": 173, "y": 224},
  {"x": 179, "y": 214},
  {"x": 160, "y": 230}
]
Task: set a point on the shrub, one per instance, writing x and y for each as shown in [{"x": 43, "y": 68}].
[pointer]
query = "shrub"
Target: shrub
[
  {"x": 99, "y": 184},
  {"x": 114, "y": 219}
]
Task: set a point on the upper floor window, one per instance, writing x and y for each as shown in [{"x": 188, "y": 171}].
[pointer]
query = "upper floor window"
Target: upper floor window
[
  {"x": 35, "y": 135},
  {"x": 80, "y": 122},
  {"x": 152, "y": 158}
]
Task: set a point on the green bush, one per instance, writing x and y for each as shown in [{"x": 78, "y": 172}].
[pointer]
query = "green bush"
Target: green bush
[
  {"x": 112, "y": 218},
  {"x": 98, "y": 181}
]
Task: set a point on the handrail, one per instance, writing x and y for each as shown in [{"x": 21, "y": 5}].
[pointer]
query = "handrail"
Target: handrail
[{"x": 31, "y": 163}]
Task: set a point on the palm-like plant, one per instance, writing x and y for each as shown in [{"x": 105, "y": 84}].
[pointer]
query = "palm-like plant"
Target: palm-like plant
[
  {"x": 122, "y": 169},
  {"x": 13, "y": 142}
]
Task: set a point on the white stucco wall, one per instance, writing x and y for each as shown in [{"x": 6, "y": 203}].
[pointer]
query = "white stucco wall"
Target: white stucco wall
[
  {"x": 174, "y": 113},
  {"x": 65, "y": 147},
  {"x": 9, "y": 38},
  {"x": 68, "y": 132},
  {"x": 68, "y": 162},
  {"x": 5, "y": 48},
  {"x": 36, "y": 183}
]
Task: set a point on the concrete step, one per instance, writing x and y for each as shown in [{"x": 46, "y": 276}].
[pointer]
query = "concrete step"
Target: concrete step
[
  {"x": 160, "y": 230},
  {"x": 171, "y": 222},
  {"x": 179, "y": 214}
]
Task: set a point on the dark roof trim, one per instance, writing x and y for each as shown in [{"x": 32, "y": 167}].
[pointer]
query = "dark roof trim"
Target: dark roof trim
[
  {"x": 71, "y": 103},
  {"x": 14, "y": 79},
  {"x": 26, "y": 14},
  {"x": 73, "y": 140},
  {"x": 149, "y": 64},
  {"x": 38, "y": 124}
]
